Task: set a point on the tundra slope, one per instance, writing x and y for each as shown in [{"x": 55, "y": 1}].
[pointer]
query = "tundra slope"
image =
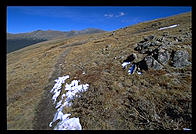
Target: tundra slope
[{"x": 160, "y": 98}]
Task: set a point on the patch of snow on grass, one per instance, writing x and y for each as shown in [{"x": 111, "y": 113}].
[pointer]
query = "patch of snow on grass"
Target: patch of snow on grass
[
  {"x": 69, "y": 124},
  {"x": 172, "y": 26},
  {"x": 56, "y": 89},
  {"x": 72, "y": 89}
]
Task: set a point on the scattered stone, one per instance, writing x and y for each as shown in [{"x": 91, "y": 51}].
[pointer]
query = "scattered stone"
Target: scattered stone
[
  {"x": 150, "y": 50},
  {"x": 144, "y": 51},
  {"x": 153, "y": 44},
  {"x": 167, "y": 43},
  {"x": 178, "y": 39},
  {"x": 161, "y": 39},
  {"x": 165, "y": 34},
  {"x": 138, "y": 48}
]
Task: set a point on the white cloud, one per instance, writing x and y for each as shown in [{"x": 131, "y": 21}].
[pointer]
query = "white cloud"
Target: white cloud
[
  {"x": 113, "y": 15},
  {"x": 120, "y": 14},
  {"x": 108, "y": 15}
]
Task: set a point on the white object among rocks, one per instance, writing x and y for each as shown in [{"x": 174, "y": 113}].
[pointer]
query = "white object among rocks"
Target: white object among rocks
[
  {"x": 125, "y": 64},
  {"x": 139, "y": 72}
]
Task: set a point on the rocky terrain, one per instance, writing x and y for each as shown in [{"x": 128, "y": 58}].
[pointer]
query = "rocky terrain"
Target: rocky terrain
[
  {"x": 21, "y": 40},
  {"x": 159, "y": 97}
]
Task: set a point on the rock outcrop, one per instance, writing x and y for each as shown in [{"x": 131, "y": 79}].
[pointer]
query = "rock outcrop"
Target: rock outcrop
[{"x": 163, "y": 50}]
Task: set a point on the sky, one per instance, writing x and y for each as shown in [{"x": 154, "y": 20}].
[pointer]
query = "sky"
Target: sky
[{"x": 22, "y": 19}]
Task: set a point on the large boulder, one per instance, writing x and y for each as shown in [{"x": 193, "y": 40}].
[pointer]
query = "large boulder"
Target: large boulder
[{"x": 180, "y": 59}]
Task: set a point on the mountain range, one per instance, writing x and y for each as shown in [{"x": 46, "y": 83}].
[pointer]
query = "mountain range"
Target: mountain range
[{"x": 18, "y": 41}]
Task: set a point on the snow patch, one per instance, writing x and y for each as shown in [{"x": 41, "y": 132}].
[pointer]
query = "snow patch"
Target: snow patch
[
  {"x": 72, "y": 89},
  {"x": 172, "y": 26},
  {"x": 69, "y": 124},
  {"x": 56, "y": 89}
]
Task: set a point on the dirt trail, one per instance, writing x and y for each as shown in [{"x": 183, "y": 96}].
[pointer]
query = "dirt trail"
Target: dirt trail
[{"x": 45, "y": 110}]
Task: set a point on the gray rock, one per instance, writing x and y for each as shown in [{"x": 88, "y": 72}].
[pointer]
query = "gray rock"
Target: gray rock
[
  {"x": 145, "y": 44},
  {"x": 156, "y": 65},
  {"x": 150, "y": 50},
  {"x": 144, "y": 51},
  {"x": 163, "y": 57},
  {"x": 166, "y": 34},
  {"x": 152, "y": 63},
  {"x": 138, "y": 48},
  {"x": 148, "y": 38},
  {"x": 153, "y": 44},
  {"x": 178, "y": 38},
  {"x": 149, "y": 61},
  {"x": 180, "y": 59},
  {"x": 161, "y": 39},
  {"x": 167, "y": 43}
]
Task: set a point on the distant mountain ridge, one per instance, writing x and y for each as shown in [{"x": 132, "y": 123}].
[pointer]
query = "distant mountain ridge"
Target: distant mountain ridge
[{"x": 18, "y": 41}]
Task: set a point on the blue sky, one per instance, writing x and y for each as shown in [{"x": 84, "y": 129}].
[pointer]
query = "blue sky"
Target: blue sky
[{"x": 65, "y": 18}]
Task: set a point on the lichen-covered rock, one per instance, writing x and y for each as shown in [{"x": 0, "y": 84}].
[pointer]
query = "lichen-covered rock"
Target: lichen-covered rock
[{"x": 180, "y": 59}]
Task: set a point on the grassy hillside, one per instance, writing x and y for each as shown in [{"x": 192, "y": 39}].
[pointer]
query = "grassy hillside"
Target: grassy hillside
[{"x": 156, "y": 99}]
